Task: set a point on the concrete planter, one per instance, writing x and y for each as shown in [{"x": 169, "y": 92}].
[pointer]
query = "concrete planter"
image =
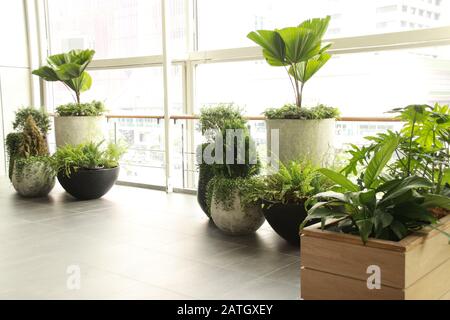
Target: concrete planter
[
  {"x": 33, "y": 179},
  {"x": 303, "y": 139},
  {"x": 77, "y": 130},
  {"x": 238, "y": 220}
]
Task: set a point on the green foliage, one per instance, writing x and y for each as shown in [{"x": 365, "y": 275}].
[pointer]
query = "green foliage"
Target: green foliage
[
  {"x": 91, "y": 156},
  {"x": 291, "y": 111},
  {"x": 381, "y": 208},
  {"x": 298, "y": 49},
  {"x": 216, "y": 117},
  {"x": 224, "y": 190},
  {"x": 293, "y": 183},
  {"x": 40, "y": 117},
  {"x": 13, "y": 142},
  {"x": 422, "y": 147},
  {"x": 69, "y": 68},
  {"x": 92, "y": 109}
]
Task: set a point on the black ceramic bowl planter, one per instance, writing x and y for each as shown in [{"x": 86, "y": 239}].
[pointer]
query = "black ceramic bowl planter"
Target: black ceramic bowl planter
[
  {"x": 285, "y": 220},
  {"x": 88, "y": 184}
]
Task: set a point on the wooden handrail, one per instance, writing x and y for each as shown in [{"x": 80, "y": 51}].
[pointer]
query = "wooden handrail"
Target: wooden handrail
[{"x": 251, "y": 118}]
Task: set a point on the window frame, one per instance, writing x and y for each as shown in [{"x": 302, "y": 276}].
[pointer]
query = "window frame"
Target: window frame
[{"x": 38, "y": 23}]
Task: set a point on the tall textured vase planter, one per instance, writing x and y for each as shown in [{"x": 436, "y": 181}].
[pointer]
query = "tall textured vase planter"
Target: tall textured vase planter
[
  {"x": 204, "y": 176},
  {"x": 238, "y": 220},
  {"x": 33, "y": 179},
  {"x": 302, "y": 139},
  {"x": 337, "y": 266},
  {"x": 75, "y": 130}
]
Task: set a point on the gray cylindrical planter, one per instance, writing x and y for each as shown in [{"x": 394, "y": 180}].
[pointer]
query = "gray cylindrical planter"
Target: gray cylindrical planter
[
  {"x": 238, "y": 220},
  {"x": 310, "y": 140},
  {"x": 33, "y": 179},
  {"x": 76, "y": 130}
]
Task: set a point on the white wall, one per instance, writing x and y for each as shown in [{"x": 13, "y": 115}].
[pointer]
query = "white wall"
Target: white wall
[{"x": 14, "y": 67}]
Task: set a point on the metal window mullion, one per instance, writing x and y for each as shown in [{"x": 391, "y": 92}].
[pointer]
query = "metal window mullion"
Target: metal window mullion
[{"x": 166, "y": 79}]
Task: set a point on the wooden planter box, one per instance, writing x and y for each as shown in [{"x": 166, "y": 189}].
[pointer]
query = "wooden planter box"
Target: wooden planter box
[{"x": 334, "y": 265}]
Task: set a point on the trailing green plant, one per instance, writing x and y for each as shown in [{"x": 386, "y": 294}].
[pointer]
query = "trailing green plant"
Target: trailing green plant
[
  {"x": 46, "y": 161},
  {"x": 91, "y": 109},
  {"x": 13, "y": 142},
  {"x": 291, "y": 111},
  {"x": 423, "y": 147},
  {"x": 40, "y": 117},
  {"x": 298, "y": 49},
  {"x": 382, "y": 208},
  {"x": 69, "y": 69},
  {"x": 224, "y": 190},
  {"x": 293, "y": 183},
  {"x": 89, "y": 156}
]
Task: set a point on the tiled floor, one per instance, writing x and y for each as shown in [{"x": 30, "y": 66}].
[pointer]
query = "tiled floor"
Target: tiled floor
[{"x": 135, "y": 244}]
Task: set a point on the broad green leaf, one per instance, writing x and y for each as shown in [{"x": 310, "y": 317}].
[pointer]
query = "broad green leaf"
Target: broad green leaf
[
  {"x": 406, "y": 185},
  {"x": 46, "y": 73},
  {"x": 382, "y": 219},
  {"x": 331, "y": 194},
  {"x": 339, "y": 179},
  {"x": 436, "y": 201},
  {"x": 379, "y": 161},
  {"x": 399, "y": 229},
  {"x": 301, "y": 44},
  {"x": 318, "y": 26},
  {"x": 68, "y": 71},
  {"x": 368, "y": 198},
  {"x": 273, "y": 46},
  {"x": 303, "y": 71},
  {"x": 365, "y": 229},
  {"x": 414, "y": 212},
  {"x": 322, "y": 213}
]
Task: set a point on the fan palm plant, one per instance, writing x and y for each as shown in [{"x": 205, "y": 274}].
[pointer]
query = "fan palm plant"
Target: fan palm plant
[{"x": 298, "y": 49}]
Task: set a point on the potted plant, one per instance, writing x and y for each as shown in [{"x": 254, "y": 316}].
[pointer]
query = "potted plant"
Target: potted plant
[
  {"x": 30, "y": 169},
  {"x": 88, "y": 171},
  {"x": 212, "y": 119},
  {"x": 303, "y": 133},
  {"x": 389, "y": 222},
  {"x": 231, "y": 193},
  {"x": 284, "y": 194},
  {"x": 77, "y": 122}
]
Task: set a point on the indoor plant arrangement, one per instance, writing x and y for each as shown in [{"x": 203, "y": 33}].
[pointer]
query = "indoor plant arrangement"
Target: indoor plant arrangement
[
  {"x": 303, "y": 133},
  {"x": 391, "y": 218},
  {"x": 88, "y": 171},
  {"x": 77, "y": 122},
  {"x": 284, "y": 194},
  {"x": 212, "y": 119},
  {"x": 231, "y": 194},
  {"x": 30, "y": 169}
]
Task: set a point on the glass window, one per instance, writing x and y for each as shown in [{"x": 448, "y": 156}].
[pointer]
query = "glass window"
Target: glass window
[
  {"x": 128, "y": 91},
  {"x": 114, "y": 28},
  {"x": 360, "y": 84},
  {"x": 221, "y": 25}
]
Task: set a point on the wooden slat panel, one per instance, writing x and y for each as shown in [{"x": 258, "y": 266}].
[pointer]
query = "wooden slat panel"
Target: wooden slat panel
[
  {"x": 352, "y": 261},
  {"x": 317, "y": 285},
  {"x": 445, "y": 296},
  {"x": 432, "y": 286},
  {"x": 426, "y": 255}
]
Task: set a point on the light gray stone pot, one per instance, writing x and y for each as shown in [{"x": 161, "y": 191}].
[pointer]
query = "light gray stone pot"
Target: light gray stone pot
[
  {"x": 33, "y": 180},
  {"x": 302, "y": 140},
  {"x": 77, "y": 130},
  {"x": 238, "y": 220}
]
